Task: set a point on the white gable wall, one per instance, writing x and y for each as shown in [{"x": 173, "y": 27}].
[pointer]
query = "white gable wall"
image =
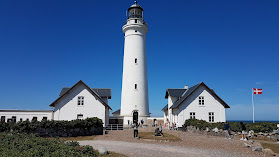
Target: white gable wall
[
  {"x": 67, "y": 107},
  {"x": 171, "y": 101},
  {"x": 191, "y": 104}
]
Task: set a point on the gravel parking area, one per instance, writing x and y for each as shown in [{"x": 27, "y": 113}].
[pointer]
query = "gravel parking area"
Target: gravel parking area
[{"x": 192, "y": 144}]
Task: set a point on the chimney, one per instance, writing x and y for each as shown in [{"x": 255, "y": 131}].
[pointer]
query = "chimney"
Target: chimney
[{"x": 186, "y": 87}]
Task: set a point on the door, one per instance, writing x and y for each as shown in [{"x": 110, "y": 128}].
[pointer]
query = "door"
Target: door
[{"x": 135, "y": 116}]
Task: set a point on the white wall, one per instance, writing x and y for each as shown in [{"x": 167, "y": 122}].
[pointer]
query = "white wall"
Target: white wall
[
  {"x": 67, "y": 109},
  {"x": 26, "y": 114}
]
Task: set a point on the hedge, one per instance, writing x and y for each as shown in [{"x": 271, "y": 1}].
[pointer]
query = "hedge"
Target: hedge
[
  {"x": 22, "y": 145},
  {"x": 55, "y": 128},
  {"x": 234, "y": 126}
]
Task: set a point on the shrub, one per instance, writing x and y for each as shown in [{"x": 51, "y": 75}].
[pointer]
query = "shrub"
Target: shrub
[
  {"x": 234, "y": 126},
  {"x": 22, "y": 145},
  {"x": 54, "y": 128}
]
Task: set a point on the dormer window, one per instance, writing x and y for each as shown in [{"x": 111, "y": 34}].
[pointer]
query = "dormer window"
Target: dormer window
[
  {"x": 80, "y": 101},
  {"x": 201, "y": 100}
]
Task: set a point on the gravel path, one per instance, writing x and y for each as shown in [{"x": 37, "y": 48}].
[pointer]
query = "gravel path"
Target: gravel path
[
  {"x": 192, "y": 144},
  {"x": 153, "y": 150}
]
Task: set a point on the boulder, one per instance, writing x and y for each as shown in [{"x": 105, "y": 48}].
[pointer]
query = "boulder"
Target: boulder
[
  {"x": 246, "y": 145},
  {"x": 257, "y": 148},
  {"x": 102, "y": 151},
  {"x": 268, "y": 152},
  {"x": 216, "y": 130}
]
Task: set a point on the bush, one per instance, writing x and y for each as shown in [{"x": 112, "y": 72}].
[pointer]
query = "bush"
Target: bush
[
  {"x": 22, "y": 145},
  {"x": 54, "y": 128},
  {"x": 234, "y": 126}
]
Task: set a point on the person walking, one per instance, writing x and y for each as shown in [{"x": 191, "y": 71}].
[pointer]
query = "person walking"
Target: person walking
[
  {"x": 161, "y": 130},
  {"x": 227, "y": 127},
  {"x": 136, "y": 131},
  {"x": 243, "y": 128}
]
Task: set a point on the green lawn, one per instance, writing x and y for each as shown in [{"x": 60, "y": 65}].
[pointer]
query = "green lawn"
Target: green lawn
[{"x": 273, "y": 147}]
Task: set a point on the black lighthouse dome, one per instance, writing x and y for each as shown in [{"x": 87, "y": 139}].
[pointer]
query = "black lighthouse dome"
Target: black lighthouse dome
[{"x": 135, "y": 11}]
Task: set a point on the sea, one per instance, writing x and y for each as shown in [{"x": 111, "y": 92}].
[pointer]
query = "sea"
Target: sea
[{"x": 250, "y": 121}]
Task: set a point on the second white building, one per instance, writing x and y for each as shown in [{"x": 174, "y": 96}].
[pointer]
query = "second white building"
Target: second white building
[{"x": 199, "y": 102}]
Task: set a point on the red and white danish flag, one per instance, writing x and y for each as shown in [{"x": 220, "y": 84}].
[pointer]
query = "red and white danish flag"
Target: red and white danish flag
[{"x": 258, "y": 91}]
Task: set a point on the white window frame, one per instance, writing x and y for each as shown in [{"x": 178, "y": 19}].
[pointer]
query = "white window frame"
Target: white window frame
[
  {"x": 211, "y": 116},
  {"x": 192, "y": 115},
  {"x": 201, "y": 100},
  {"x": 80, "y": 101},
  {"x": 79, "y": 116}
]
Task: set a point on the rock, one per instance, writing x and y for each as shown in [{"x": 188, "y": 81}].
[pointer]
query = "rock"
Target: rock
[
  {"x": 215, "y": 129},
  {"x": 257, "y": 148},
  {"x": 251, "y": 142},
  {"x": 268, "y": 137},
  {"x": 268, "y": 152},
  {"x": 247, "y": 145},
  {"x": 102, "y": 151}
]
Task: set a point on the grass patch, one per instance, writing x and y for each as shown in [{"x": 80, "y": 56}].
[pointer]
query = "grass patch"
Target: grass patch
[
  {"x": 150, "y": 135},
  {"x": 264, "y": 139},
  {"x": 113, "y": 154},
  {"x": 78, "y": 138},
  {"x": 273, "y": 147}
]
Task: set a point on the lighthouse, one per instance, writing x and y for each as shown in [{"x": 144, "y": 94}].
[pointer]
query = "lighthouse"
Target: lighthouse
[{"x": 134, "y": 96}]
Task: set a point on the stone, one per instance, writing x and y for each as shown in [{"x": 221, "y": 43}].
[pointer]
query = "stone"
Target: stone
[
  {"x": 215, "y": 129},
  {"x": 247, "y": 145},
  {"x": 257, "y": 148},
  {"x": 268, "y": 152},
  {"x": 251, "y": 142},
  {"x": 268, "y": 137},
  {"x": 102, "y": 151}
]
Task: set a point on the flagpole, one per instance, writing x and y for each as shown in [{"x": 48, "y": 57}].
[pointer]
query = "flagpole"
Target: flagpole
[{"x": 253, "y": 105}]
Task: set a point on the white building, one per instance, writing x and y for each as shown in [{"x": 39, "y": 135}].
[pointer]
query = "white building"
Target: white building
[
  {"x": 81, "y": 101},
  {"x": 199, "y": 102},
  {"x": 134, "y": 96},
  {"x": 22, "y": 115},
  {"x": 77, "y": 102}
]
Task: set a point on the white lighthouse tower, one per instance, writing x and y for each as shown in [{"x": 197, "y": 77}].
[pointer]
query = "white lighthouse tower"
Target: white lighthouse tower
[{"x": 134, "y": 97}]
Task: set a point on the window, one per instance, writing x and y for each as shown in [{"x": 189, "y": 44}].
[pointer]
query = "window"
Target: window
[
  {"x": 80, "y": 100},
  {"x": 136, "y": 21},
  {"x": 136, "y": 87},
  {"x": 20, "y": 119},
  {"x": 211, "y": 116},
  {"x": 44, "y": 118},
  {"x": 13, "y": 118},
  {"x": 136, "y": 60},
  {"x": 201, "y": 100},
  {"x": 136, "y": 31},
  {"x": 80, "y": 116},
  {"x": 192, "y": 115},
  {"x": 3, "y": 118},
  {"x": 27, "y": 119},
  {"x": 34, "y": 118}
]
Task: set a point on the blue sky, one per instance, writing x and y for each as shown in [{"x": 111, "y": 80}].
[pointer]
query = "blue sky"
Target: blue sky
[{"x": 232, "y": 46}]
